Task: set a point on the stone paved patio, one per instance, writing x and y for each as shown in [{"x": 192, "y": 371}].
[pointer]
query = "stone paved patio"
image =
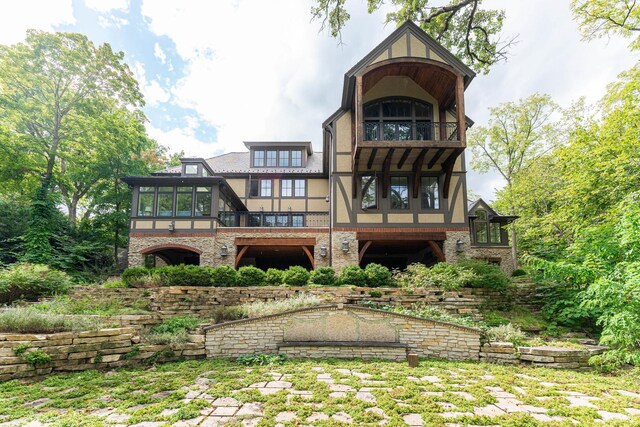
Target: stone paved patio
[{"x": 340, "y": 393}]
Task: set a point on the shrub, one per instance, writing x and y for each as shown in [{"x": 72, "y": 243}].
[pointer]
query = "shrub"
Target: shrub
[
  {"x": 420, "y": 309},
  {"x": 262, "y": 359},
  {"x": 37, "y": 358},
  {"x": 505, "y": 333},
  {"x": 263, "y": 308},
  {"x": 250, "y": 276},
  {"x": 114, "y": 284},
  {"x": 375, "y": 294},
  {"x": 174, "y": 330},
  {"x": 296, "y": 276},
  {"x": 486, "y": 275},
  {"x": 377, "y": 275},
  {"x": 441, "y": 275},
  {"x": 518, "y": 272},
  {"x": 185, "y": 275},
  {"x": 225, "y": 275},
  {"x": 96, "y": 305},
  {"x": 30, "y": 320},
  {"x": 135, "y": 276},
  {"x": 325, "y": 276},
  {"x": 274, "y": 277},
  {"x": 492, "y": 318},
  {"x": 31, "y": 281},
  {"x": 225, "y": 314},
  {"x": 353, "y": 275}
]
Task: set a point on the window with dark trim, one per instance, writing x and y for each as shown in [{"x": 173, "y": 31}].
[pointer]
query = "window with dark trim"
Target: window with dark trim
[
  {"x": 203, "y": 201},
  {"x": 184, "y": 201},
  {"x": 190, "y": 169},
  {"x": 146, "y": 201},
  {"x": 487, "y": 232},
  {"x": 398, "y": 119},
  {"x": 272, "y": 158},
  {"x": 165, "y": 201},
  {"x": 368, "y": 192},
  {"x": 285, "y": 158},
  {"x": 399, "y": 192},
  {"x": 429, "y": 192},
  {"x": 258, "y": 158},
  {"x": 293, "y": 188},
  {"x": 296, "y": 158},
  {"x": 260, "y": 187}
]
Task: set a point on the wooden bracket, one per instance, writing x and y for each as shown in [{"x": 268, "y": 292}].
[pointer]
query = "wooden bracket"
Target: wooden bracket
[
  {"x": 437, "y": 251},
  {"x": 417, "y": 168},
  {"x": 363, "y": 250},
  {"x": 240, "y": 255}
]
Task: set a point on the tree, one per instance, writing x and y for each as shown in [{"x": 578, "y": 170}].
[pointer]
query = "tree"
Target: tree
[
  {"x": 517, "y": 135},
  {"x": 599, "y": 18},
  {"x": 462, "y": 26}
]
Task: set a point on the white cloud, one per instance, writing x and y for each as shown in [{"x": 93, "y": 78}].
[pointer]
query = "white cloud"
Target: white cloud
[
  {"x": 104, "y": 6},
  {"x": 19, "y": 16},
  {"x": 107, "y": 21},
  {"x": 152, "y": 91},
  {"x": 159, "y": 53},
  {"x": 183, "y": 139}
]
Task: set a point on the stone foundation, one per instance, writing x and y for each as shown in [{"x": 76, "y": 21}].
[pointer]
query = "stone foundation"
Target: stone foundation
[
  {"x": 503, "y": 253},
  {"x": 138, "y": 243}
]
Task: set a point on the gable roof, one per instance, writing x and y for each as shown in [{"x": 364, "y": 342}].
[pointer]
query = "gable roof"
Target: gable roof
[{"x": 481, "y": 204}]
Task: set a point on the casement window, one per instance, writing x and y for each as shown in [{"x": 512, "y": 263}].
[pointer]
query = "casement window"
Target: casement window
[
  {"x": 495, "y": 232},
  {"x": 190, "y": 169},
  {"x": 293, "y": 188},
  {"x": 272, "y": 158},
  {"x": 258, "y": 158},
  {"x": 399, "y": 192},
  {"x": 368, "y": 192},
  {"x": 165, "y": 201},
  {"x": 260, "y": 187},
  {"x": 486, "y": 232},
  {"x": 277, "y": 158},
  {"x": 398, "y": 119},
  {"x": 203, "y": 201},
  {"x": 146, "y": 201},
  {"x": 429, "y": 193},
  {"x": 184, "y": 201},
  {"x": 283, "y": 158},
  {"x": 296, "y": 158}
]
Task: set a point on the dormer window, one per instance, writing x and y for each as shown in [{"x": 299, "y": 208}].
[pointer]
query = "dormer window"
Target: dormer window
[
  {"x": 486, "y": 232},
  {"x": 191, "y": 169},
  {"x": 281, "y": 158}
]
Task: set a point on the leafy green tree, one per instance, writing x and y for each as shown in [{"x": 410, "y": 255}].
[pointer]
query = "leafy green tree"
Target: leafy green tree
[
  {"x": 599, "y": 18},
  {"x": 516, "y": 136},
  {"x": 471, "y": 32}
]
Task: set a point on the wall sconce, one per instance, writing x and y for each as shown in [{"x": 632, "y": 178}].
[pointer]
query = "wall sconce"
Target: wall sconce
[
  {"x": 323, "y": 251},
  {"x": 172, "y": 226},
  {"x": 345, "y": 246},
  {"x": 459, "y": 246},
  {"x": 224, "y": 251},
  {"x": 326, "y": 199}
]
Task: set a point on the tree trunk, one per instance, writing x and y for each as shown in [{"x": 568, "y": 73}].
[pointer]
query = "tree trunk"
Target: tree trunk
[
  {"x": 73, "y": 212},
  {"x": 514, "y": 246}
]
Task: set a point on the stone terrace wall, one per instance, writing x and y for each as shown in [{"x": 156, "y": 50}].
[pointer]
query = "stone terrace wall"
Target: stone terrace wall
[
  {"x": 203, "y": 301},
  {"x": 543, "y": 356},
  {"x": 340, "y": 323},
  {"x": 77, "y": 351}
]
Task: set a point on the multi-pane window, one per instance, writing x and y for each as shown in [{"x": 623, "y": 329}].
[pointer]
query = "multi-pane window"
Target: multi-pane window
[
  {"x": 481, "y": 226},
  {"x": 146, "y": 199},
  {"x": 297, "y": 220},
  {"x": 495, "y": 232},
  {"x": 258, "y": 158},
  {"x": 283, "y": 158},
  {"x": 277, "y": 158},
  {"x": 398, "y": 119},
  {"x": 429, "y": 192},
  {"x": 191, "y": 169},
  {"x": 296, "y": 158},
  {"x": 260, "y": 188},
  {"x": 203, "y": 201},
  {"x": 368, "y": 193},
  {"x": 265, "y": 188},
  {"x": 293, "y": 187},
  {"x": 286, "y": 187},
  {"x": 184, "y": 200},
  {"x": 272, "y": 159},
  {"x": 165, "y": 201},
  {"x": 399, "y": 192}
]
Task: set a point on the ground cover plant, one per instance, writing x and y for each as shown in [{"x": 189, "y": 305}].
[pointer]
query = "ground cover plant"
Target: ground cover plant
[
  {"x": 95, "y": 305},
  {"x": 32, "y": 320},
  {"x": 174, "y": 330},
  {"x": 263, "y": 308},
  {"x": 324, "y": 393}
]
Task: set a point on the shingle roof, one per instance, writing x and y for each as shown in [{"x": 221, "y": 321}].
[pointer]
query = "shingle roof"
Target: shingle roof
[{"x": 240, "y": 162}]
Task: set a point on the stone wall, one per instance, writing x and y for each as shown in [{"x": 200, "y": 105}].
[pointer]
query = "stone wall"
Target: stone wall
[
  {"x": 398, "y": 354},
  {"x": 343, "y": 324},
  {"x": 77, "y": 351},
  {"x": 543, "y": 356},
  {"x": 140, "y": 242},
  {"x": 340, "y": 258},
  {"x": 468, "y": 251}
]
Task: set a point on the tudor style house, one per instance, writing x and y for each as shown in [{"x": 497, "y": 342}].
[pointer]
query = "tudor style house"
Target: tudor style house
[{"x": 388, "y": 187}]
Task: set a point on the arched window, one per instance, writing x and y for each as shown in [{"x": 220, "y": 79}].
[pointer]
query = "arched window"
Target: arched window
[{"x": 398, "y": 119}]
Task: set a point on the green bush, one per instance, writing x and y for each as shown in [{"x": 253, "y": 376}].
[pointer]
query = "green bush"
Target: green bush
[
  {"x": 325, "y": 276},
  {"x": 263, "y": 308},
  {"x": 250, "y": 276},
  {"x": 296, "y": 276},
  {"x": 178, "y": 323},
  {"x": 486, "y": 275},
  {"x": 518, "y": 272},
  {"x": 492, "y": 318},
  {"x": 184, "y": 275},
  {"x": 95, "y": 305},
  {"x": 225, "y": 314},
  {"x": 377, "y": 275},
  {"x": 135, "y": 277},
  {"x": 31, "y": 320},
  {"x": 505, "y": 333},
  {"x": 420, "y": 309},
  {"x": 274, "y": 277},
  {"x": 37, "y": 358},
  {"x": 441, "y": 275},
  {"x": 31, "y": 281},
  {"x": 262, "y": 359},
  {"x": 224, "y": 275},
  {"x": 353, "y": 275},
  {"x": 112, "y": 284}
]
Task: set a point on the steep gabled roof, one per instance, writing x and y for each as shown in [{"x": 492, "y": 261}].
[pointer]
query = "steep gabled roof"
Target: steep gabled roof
[{"x": 492, "y": 213}]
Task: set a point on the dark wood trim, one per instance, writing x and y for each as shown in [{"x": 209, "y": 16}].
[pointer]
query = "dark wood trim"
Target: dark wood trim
[
  {"x": 409, "y": 144},
  {"x": 447, "y": 168},
  {"x": 403, "y": 159},
  {"x": 372, "y": 157},
  {"x": 435, "y": 248},
  {"x": 275, "y": 241},
  {"x": 435, "y": 158},
  {"x": 310, "y": 256},
  {"x": 363, "y": 250},
  {"x": 386, "y": 174},
  {"x": 409, "y": 60},
  {"x": 239, "y": 256},
  {"x": 417, "y": 168},
  {"x": 462, "y": 121},
  {"x": 400, "y": 235}
]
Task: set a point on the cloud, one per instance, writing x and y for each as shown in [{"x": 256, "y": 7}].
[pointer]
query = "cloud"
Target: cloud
[
  {"x": 19, "y": 16},
  {"x": 105, "y": 6},
  {"x": 184, "y": 139},
  {"x": 152, "y": 91},
  {"x": 159, "y": 53}
]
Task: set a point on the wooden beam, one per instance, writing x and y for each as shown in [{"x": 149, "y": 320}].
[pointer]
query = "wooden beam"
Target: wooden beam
[
  {"x": 358, "y": 110},
  {"x": 275, "y": 241},
  {"x": 417, "y": 168},
  {"x": 435, "y": 158},
  {"x": 447, "y": 168},
  {"x": 310, "y": 255},
  {"x": 416, "y": 144},
  {"x": 437, "y": 251},
  {"x": 363, "y": 250},
  {"x": 462, "y": 120},
  {"x": 239, "y": 256},
  {"x": 403, "y": 159},
  {"x": 443, "y": 124},
  {"x": 372, "y": 157},
  {"x": 400, "y": 235},
  {"x": 386, "y": 174}
]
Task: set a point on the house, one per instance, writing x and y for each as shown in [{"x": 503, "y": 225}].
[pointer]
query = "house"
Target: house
[{"x": 388, "y": 187}]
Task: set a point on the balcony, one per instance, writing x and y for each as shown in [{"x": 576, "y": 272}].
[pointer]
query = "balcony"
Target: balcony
[
  {"x": 410, "y": 131},
  {"x": 274, "y": 219}
]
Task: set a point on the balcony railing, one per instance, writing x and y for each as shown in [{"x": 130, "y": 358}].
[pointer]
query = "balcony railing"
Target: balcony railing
[
  {"x": 400, "y": 130},
  {"x": 273, "y": 219}
]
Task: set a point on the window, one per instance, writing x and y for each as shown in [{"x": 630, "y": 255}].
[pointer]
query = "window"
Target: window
[
  {"x": 254, "y": 186},
  {"x": 495, "y": 232},
  {"x": 293, "y": 187},
  {"x": 191, "y": 169},
  {"x": 283, "y": 158},
  {"x": 300, "y": 187},
  {"x": 429, "y": 192},
  {"x": 165, "y": 201},
  {"x": 399, "y": 192},
  {"x": 146, "y": 199},
  {"x": 481, "y": 232},
  {"x": 184, "y": 200},
  {"x": 297, "y": 220},
  {"x": 203, "y": 201},
  {"x": 258, "y": 158},
  {"x": 205, "y": 172},
  {"x": 287, "y": 187},
  {"x": 398, "y": 119},
  {"x": 272, "y": 158},
  {"x": 265, "y": 188},
  {"x": 487, "y": 232},
  {"x": 296, "y": 158},
  {"x": 368, "y": 194}
]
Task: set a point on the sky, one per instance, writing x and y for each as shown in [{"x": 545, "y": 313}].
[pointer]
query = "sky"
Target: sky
[{"x": 217, "y": 73}]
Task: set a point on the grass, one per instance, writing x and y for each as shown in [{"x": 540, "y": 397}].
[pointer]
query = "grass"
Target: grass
[
  {"x": 96, "y": 305},
  {"x": 522, "y": 318},
  {"x": 263, "y": 308},
  {"x": 31, "y": 320},
  {"x": 145, "y": 394}
]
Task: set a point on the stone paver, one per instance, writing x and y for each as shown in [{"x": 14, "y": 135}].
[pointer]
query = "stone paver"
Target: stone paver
[
  {"x": 610, "y": 416},
  {"x": 250, "y": 409},
  {"x": 317, "y": 416},
  {"x": 366, "y": 397},
  {"x": 628, "y": 393},
  {"x": 287, "y": 416},
  {"x": 342, "y": 417},
  {"x": 489, "y": 411},
  {"x": 414, "y": 420}
]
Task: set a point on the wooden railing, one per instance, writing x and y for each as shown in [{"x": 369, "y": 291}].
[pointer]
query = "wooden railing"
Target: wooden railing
[{"x": 273, "y": 219}]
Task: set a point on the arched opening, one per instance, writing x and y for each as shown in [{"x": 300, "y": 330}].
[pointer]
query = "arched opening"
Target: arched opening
[
  {"x": 397, "y": 255},
  {"x": 174, "y": 254},
  {"x": 398, "y": 119},
  {"x": 280, "y": 257}
]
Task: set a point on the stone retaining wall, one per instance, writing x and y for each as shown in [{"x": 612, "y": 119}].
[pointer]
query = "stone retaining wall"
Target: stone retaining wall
[
  {"x": 544, "y": 356},
  {"x": 341, "y": 352},
  {"x": 340, "y": 323},
  {"x": 77, "y": 351}
]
